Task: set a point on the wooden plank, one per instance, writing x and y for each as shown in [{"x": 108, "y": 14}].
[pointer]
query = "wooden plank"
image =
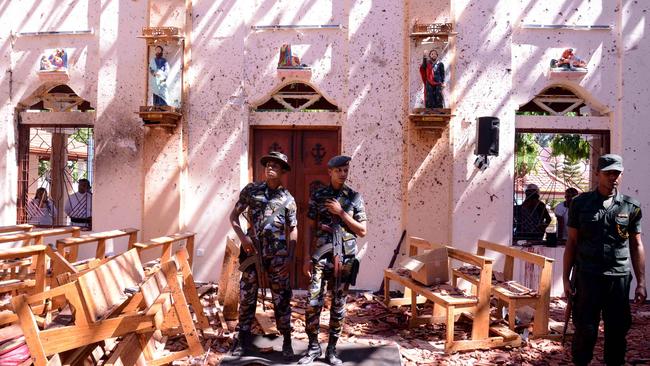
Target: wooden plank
[
  {"x": 182, "y": 309},
  {"x": 504, "y": 332},
  {"x": 21, "y": 252},
  {"x": 542, "y": 309},
  {"x": 481, "y": 324},
  {"x": 16, "y": 228},
  {"x": 30, "y": 330},
  {"x": 103, "y": 288},
  {"x": 526, "y": 256},
  {"x": 228, "y": 296},
  {"x": 62, "y": 339},
  {"x": 189, "y": 289},
  {"x": 266, "y": 321}
]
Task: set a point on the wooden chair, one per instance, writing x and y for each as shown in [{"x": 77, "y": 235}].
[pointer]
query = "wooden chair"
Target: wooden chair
[
  {"x": 69, "y": 247},
  {"x": 102, "y": 310},
  {"x": 449, "y": 305},
  {"x": 514, "y": 294}
]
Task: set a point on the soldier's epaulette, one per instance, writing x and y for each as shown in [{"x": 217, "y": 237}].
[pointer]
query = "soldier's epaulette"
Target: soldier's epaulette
[{"x": 631, "y": 200}]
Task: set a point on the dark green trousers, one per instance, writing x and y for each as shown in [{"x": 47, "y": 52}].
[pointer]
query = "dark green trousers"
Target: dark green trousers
[{"x": 596, "y": 295}]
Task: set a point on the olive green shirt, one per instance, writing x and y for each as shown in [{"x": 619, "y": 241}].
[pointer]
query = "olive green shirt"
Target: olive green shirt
[{"x": 603, "y": 232}]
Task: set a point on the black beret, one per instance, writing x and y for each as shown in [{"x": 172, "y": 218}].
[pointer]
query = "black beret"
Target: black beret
[{"x": 339, "y": 160}]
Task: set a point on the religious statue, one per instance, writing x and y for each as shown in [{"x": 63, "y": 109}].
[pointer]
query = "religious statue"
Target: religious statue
[
  {"x": 159, "y": 70},
  {"x": 432, "y": 72},
  {"x": 568, "y": 61},
  {"x": 287, "y": 59},
  {"x": 56, "y": 61}
]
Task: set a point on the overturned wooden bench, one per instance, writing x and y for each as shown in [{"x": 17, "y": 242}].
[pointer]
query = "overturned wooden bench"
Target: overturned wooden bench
[
  {"x": 183, "y": 258},
  {"x": 513, "y": 294},
  {"x": 448, "y": 305},
  {"x": 104, "y": 309}
]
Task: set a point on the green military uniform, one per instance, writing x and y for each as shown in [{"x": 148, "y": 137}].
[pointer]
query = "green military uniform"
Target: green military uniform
[
  {"x": 262, "y": 202},
  {"x": 603, "y": 272},
  {"x": 322, "y": 264}
]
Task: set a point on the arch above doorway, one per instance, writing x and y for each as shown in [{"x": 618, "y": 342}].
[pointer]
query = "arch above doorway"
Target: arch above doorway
[
  {"x": 295, "y": 96},
  {"x": 55, "y": 104}
]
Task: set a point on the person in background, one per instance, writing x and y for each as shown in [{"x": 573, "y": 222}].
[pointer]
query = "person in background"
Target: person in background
[
  {"x": 79, "y": 206},
  {"x": 531, "y": 216},
  {"x": 562, "y": 213},
  {"x": 41, "y": 209}
]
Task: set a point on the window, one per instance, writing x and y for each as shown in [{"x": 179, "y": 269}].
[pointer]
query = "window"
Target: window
[
  {"x": 547, "y": 163},
  {"x": 55, "y": 161}
]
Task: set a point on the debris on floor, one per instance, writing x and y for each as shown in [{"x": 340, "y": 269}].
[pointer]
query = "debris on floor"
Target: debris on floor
[{"x": 369, "y": 321}]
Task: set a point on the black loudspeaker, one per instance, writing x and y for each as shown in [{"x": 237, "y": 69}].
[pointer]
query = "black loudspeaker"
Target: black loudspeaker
[{"x": 487, "y": 136}]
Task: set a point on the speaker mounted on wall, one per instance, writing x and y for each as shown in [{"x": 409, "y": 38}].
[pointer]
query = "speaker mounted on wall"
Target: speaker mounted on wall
[
  {"x": 487, "y": 136},
  {"x": 487, "y": 140}
]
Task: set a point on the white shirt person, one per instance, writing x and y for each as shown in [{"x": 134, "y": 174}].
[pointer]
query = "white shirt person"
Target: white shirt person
[{"x": 80, "y": 204}]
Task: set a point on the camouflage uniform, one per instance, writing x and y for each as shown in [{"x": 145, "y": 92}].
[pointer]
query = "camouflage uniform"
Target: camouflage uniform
[
  {"x": 262, "y": 202},
  {"x": 322, "y": 268}
]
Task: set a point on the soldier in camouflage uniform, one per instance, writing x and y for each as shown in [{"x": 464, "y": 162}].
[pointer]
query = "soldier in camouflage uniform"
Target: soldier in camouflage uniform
[
  {"x": 272, "y": 213},
  {"x": 604, "y": 239},
  {"x": 333, "y": 207}
]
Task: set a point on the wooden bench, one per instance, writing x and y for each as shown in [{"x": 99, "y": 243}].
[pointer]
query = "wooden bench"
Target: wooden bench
[
  {"x": 103, "y": 310},
  {"x": 166, "y": 243},
  {"x": 37, "y": 237},
  {"x": 23, "y": 268},
  {"x": 513, "y": 294},
  {"x": 21, "y": 228},
  {"x": 183, "y": 260},
  {"x": 69, "y": 247},
  {"x": 449, "y": 305}
]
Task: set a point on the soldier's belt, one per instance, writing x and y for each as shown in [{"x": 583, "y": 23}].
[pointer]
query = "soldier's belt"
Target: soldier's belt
[{"x": 321, "y": 251}]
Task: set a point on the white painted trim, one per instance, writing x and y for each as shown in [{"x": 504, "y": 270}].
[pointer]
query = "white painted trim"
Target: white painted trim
[
  {"x": 58, "y": 118},
  {"x": 562, "y": 122}
]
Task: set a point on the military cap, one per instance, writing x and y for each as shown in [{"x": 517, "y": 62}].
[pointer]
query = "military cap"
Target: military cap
[
  {"x": 278, "y": 157},
  {"x": 610, "y": 162},
  {"x": 339, "y": 160}
]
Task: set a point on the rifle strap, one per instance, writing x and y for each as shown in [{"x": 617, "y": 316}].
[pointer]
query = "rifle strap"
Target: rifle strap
[{"x": 275, "y": 213}]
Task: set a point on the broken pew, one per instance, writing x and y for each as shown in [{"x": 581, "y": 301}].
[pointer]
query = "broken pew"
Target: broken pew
[
  {"x": 512, "y": 293},
  {"x": 183, "y": 260},
  {"x": 102, "y": 310},
  {"x": 449, "y": 305}
]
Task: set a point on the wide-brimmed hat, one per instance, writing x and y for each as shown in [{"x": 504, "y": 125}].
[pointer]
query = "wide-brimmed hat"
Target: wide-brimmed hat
[{"x": 278, "y": 157}]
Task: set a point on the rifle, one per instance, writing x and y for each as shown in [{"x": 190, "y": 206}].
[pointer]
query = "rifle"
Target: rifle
[
  {"x": 569, "y": 304},
  {"x": 393, "y": 259},
  {"x": 255, "y": 259}
]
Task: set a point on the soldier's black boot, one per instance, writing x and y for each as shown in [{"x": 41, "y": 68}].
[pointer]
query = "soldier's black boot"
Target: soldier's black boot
[
  {"x": 243, "y": 345},
  {"x": 287, "y": 349},
  {"x": 330, "y": 354},
  {"x": 313, "y": 351}
]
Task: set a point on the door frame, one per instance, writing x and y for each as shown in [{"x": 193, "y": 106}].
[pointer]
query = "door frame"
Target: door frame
[{"x": 295, "y": 282}]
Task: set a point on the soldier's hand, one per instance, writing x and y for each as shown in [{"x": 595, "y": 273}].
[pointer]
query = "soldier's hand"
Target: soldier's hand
[
  {"x": 334, "y": 207},
  {"x": 247, "y": 245},
  {"x": 640, "y": 294},
  {"x": 306, "y": 268}
]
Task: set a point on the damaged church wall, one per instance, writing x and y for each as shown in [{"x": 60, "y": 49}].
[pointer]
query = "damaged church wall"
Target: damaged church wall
[
  {"x": 354, "y": 67},
  {"x": 429, "y": 155},
  {"x": 482, "y": 201},
  {"x": 420, "y": 180}
]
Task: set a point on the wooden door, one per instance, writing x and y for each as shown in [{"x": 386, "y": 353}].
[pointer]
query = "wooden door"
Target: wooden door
[{"x": 308, "y": 151}]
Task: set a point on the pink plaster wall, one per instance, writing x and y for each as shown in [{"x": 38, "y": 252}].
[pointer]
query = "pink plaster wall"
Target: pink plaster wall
[{"x": 422, "y": 181}]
